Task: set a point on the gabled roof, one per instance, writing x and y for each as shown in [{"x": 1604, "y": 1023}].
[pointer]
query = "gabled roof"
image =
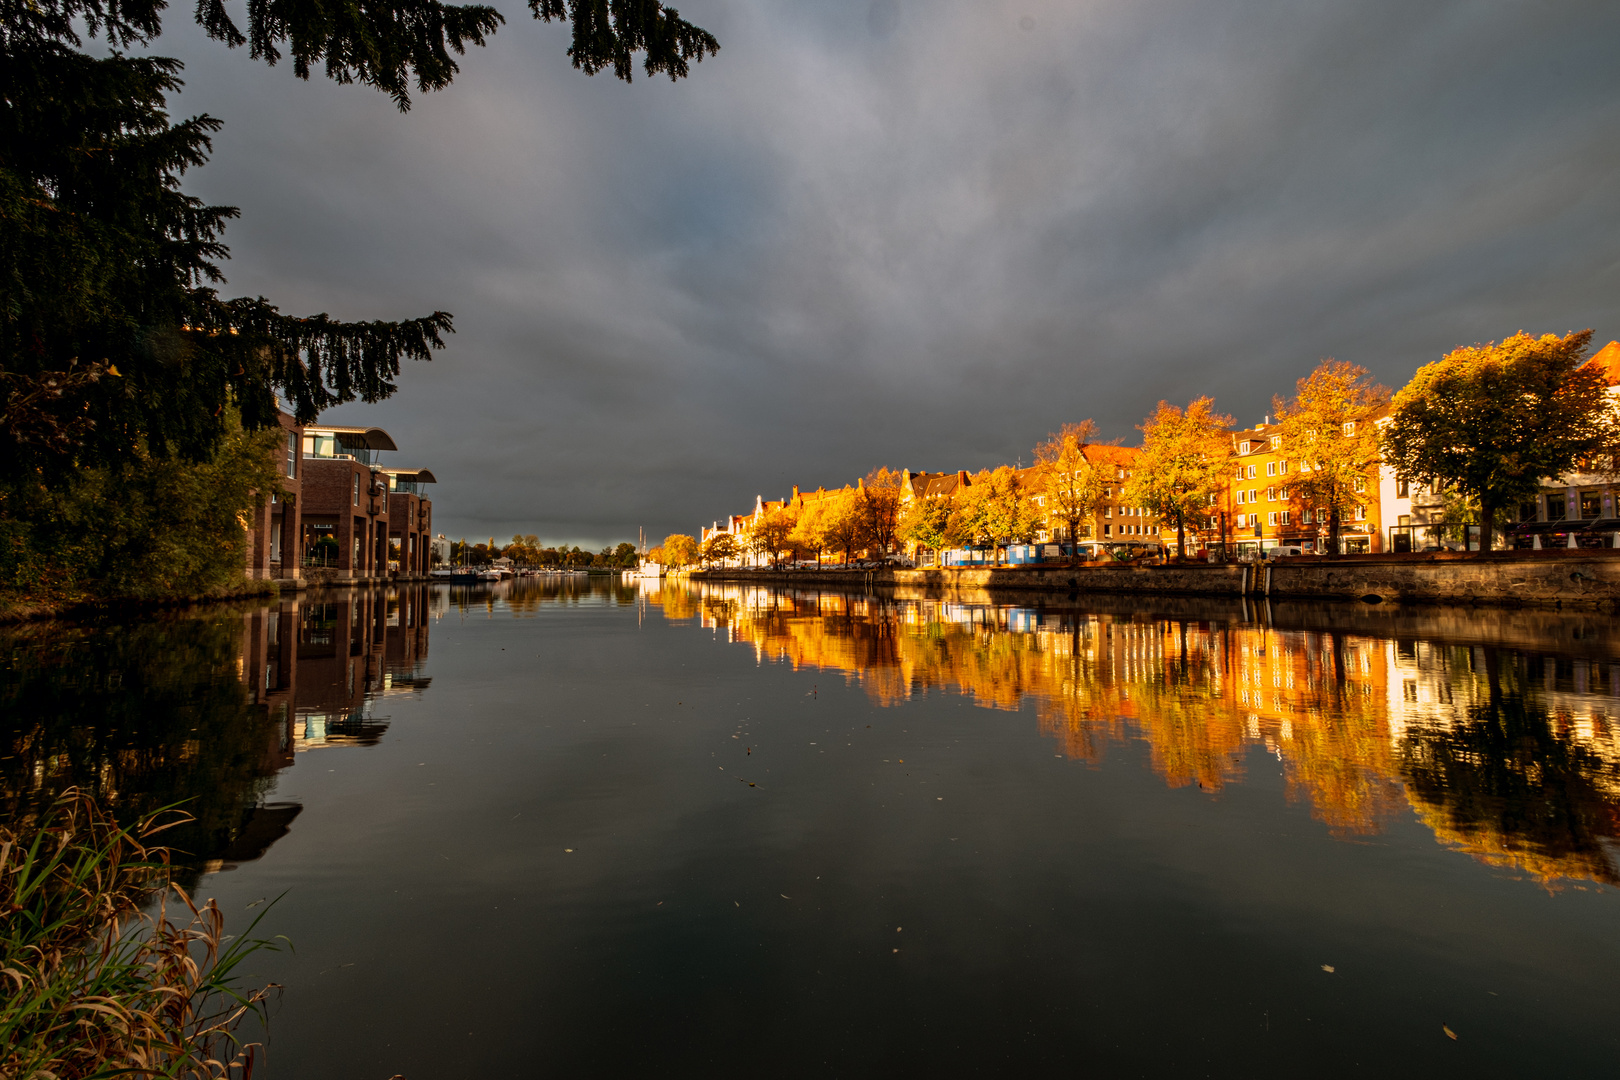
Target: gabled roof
[{"x": 1607, "y": 360}]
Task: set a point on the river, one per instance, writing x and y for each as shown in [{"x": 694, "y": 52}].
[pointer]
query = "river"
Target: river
[{"x": 565, "y": 827}]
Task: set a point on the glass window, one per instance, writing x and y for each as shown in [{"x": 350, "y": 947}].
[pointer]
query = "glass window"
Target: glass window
[
  {"x": 1253, "y": 471},
  {"x": 292, "y": 454},
  {"x": 1403, "y": 489},
  {"x": 1276, "y": 442},
  {"x": 1361, "y": 483},
  {"x": 356, "y": 479},
  {"x": 1556, "y": 510},
  {"x": 1243, "y": 448},
  {"x": 1285, "y": 517},
  {"x": 1591, "y": 504},
  {"x": 1271, "y": 519},
  {"x": 1271, "y": 468},
  {"x": 1271, "y": 494}
]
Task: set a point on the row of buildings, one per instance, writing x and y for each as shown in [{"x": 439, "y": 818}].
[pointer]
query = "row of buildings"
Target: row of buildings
[
  {"x": 1256, "y": 510},
  {"x": 343, "y": 514}
]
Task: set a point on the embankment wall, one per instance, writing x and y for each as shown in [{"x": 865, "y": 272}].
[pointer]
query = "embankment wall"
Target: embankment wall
[{"x": 1585, "y": 578}]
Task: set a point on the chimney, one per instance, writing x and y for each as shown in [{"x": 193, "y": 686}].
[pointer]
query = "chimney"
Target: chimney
[{"x": 962, "y": 477}]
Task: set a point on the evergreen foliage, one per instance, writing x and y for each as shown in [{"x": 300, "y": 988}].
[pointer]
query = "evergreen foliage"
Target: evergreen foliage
[{"x": 117, "y": 353}]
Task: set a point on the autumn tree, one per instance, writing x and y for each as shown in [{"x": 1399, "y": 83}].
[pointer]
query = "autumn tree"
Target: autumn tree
[
  {"x": 879, "y": 499},
  {"x": 719, "y": 548},
  {"x": 680, "y": 550},
  {"x": 845, "y": 524},
  {"x": 927, "y": 522},
  {"x": 995, "y": 511},
  {"x": 810, "y": 529},
  {"x": 1183, "y": 464},
  {"x": 1496, "y": 420},
  {"x": 1069, "y": 481},
  {"x": 768, "y": 537},
  {"x": 1328, "y": 434}
]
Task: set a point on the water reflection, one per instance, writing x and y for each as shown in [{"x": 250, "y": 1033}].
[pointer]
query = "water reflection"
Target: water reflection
[
  {"x": 204, "y": 710},
  {"x": 1496, "y": 730},
  {"x": 1508, "y": 752}
]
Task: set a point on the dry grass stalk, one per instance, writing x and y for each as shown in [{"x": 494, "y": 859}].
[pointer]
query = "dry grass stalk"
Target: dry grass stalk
[{"x": 92, "y": 984}]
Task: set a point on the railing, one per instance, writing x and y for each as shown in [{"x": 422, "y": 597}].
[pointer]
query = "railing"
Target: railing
[{"x": 321, "y": 558}]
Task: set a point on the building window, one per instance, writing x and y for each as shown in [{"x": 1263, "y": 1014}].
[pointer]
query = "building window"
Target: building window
[
  {"x": 1556, "y": 510},
  {"x": 1108, "y": 530},
  {"x": 1285, "y": 517},
  {"x": 1306, "y": 517},
  {"x": 1243, "y": 448},
  {"x": 1276, "y": 442},
  {"x": 1271, "y": 468},
  {"x": 1253, "y": 471},
  {"x": 1108, "y": 512},
  {"x": 1271, "y": 519},
  {"x": 1403, "y": 488},
  {"x": 1361, "y": 483},
  {"x": 1361, "y": 513},
  {"x": 292, "y": 454},
  {"x": 1349, "y": 427},
  {"x": 1254, "y": 520},
  {"x": 1271, "y": 494},
  {"x": 1240, "y": 472},
  {"x": 1591, "y": 505}
]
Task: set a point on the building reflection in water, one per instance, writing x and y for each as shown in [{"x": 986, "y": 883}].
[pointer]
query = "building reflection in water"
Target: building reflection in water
[
  {"x": 1505, "y": 750},
  {"x": 203, "y": 711}
]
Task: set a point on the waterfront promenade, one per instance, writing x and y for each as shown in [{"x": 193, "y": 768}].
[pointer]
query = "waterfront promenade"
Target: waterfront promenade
[{"x": 1581, "y": 578}]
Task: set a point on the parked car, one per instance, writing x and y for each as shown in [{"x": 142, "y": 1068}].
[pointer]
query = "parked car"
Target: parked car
[{"x": 1285, "y": 551}]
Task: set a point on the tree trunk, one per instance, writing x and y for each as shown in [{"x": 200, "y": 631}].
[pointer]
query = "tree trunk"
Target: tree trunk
[
  {"x": 1181, "y": 535},
  {"x": 1333, "y": 528},
  {"x": 1487, "y": 525}
]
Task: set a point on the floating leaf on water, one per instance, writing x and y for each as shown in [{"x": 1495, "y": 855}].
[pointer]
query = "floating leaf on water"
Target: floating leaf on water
[
  {"x": 568, "y": 849},
  {"x": 1452, "y": 1035},
  {"x": 1328, "y": 968},
  {"x": 784, "y": 896}
]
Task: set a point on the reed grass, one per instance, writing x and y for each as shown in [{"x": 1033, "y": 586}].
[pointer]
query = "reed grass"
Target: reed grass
[{"x": 108, "y": 968}]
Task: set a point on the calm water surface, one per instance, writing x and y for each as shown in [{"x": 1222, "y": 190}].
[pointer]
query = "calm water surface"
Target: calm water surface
[{"x": 553, "y": 829}]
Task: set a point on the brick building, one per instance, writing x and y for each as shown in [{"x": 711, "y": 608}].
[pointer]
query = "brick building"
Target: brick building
[
  {"x": 273, "y": 548},
  {"x": 341, "y": 510},
  {"x": 410, "y": 521},
  {"x": 1261, "y": 505}
]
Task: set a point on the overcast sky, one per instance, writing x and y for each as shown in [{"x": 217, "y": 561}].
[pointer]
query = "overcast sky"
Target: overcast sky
[{"x": 917, "y": 233}]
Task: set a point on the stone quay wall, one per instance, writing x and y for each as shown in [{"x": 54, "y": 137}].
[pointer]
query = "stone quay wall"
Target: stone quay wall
[{"x": 1580, "y": 578}]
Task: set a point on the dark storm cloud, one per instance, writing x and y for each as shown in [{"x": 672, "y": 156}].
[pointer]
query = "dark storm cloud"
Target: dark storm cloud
[{"x": 919, "y": 234}]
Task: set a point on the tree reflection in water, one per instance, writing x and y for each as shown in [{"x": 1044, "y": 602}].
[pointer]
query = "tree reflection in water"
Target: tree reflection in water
[
  {"x": 1514, "y": 770},
  {"x": 1497, "y": 730}
]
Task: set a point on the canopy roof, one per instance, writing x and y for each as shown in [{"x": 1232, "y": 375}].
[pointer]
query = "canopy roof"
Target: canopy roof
[{"x": 369, "y": 438}]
